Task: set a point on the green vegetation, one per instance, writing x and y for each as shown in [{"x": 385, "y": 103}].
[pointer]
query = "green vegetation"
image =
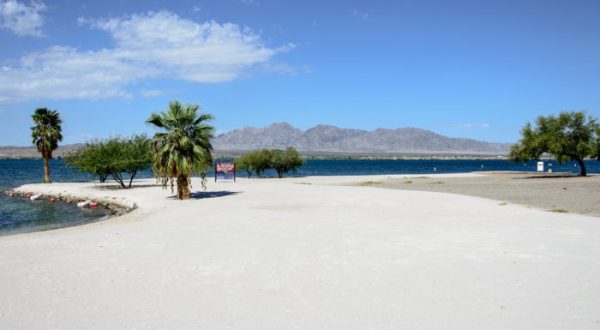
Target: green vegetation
[
  {"x": 46, "y": 134},
  {"x": 282, "y": 161},
  {"x": 254, "y": 162},
  {"x": 568, "y": 136},
  {"x": 370, "y": 183},
  {"x": 285, "y": 161},
  {"x": 183, "y": 147},
  {"x": 114, "y": 157},
  {"x": 558, "y": 210}
]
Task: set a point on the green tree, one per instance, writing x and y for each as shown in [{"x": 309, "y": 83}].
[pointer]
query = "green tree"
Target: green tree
[
  {"x": 570, "y": 136},
  {"x": 120, "y": 158},
  {"x": 244, "y": 163},
  {"x": 282, "y": 161},
  {"x": 261, "y": 161},
  {"x": 183, "y": 147},
  {"x": 46, "y": 134},
  {"x": 285, "y": 161},
  {"x": 90, "y": 158}
]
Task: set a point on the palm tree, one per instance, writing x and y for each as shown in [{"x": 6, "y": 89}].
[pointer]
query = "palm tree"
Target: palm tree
[
  {"x": 46, "y": 134},
  {"x": 183, "y": 147}
]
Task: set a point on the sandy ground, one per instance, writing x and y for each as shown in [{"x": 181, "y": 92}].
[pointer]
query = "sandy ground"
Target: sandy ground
[
  {"x": 556, "y": 194},
  {"x": 308, "y": 253}
]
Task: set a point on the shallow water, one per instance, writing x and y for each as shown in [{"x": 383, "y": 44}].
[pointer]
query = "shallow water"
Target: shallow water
[{"x": 19, "y": 215}]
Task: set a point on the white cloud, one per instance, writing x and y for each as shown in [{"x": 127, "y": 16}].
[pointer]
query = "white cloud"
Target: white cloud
[
  {"x": 21, "y": 18},
  {"x": 250, "y": 2},
  {"x": 148, "y": 46},
  {"x": 153, "y": 92},
  {"x": 360, "y": 14}
]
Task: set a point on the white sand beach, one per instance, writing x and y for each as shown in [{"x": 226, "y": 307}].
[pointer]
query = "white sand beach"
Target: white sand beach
[{"x": 304, "y": 253}]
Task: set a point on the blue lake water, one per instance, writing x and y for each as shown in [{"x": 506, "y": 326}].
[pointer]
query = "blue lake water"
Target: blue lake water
[{"x": 20, "y": 215}]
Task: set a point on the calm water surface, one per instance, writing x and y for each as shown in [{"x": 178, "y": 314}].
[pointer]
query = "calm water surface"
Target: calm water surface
[{"x": 19, "y": 215}]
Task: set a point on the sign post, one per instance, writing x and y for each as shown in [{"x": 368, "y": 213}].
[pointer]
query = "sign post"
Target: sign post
[
  {"x": 540, "y": 166},
  {"x": 225, "y": 171}
]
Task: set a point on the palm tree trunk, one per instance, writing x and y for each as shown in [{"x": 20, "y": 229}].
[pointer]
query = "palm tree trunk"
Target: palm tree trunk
[
  {"x": 179, "y": 193},
  {"x": 183, "y": 187},
  {"x": 46, "y": 170}
]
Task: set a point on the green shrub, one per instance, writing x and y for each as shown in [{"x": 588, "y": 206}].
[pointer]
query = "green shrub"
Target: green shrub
[
  {"x": 282, "y": 161},
  {"x": 116, "y": 157}
]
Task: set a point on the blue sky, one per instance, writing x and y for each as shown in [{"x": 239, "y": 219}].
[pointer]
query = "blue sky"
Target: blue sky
[{"x": 476, "y": 69}]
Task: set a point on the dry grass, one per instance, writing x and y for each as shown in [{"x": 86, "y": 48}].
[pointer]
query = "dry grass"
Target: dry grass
[
  {"x": 370, "y": 183},
  {"x": 558, "y": 210}
]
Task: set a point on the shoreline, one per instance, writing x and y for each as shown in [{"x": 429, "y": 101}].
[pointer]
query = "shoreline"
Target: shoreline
[
  {"x": 118, "y": 202},
  {"x": 114, "y": 208},
  {"x": 311, "y": 252}
]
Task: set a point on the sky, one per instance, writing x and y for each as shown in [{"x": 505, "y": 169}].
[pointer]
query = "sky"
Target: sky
[{"x": 473, "y": 69}]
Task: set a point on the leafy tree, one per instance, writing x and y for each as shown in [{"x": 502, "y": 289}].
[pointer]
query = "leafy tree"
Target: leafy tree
[
  {"x": 244, "y": 163},
  {"x": 116, "y": 157},
  {"x": 183, "y": 147},
  {"x": 568, "y": 136},
  {"x": 90, "y": 158},
  {"x": 128, "y": 156},
  {"x": 282, "y": 161},
  {"x": 46, "y": 134},
  {"x": 261, "y": 161}
]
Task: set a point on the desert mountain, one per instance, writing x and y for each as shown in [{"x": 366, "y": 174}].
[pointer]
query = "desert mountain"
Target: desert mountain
[{"x": 326, "y": 138}]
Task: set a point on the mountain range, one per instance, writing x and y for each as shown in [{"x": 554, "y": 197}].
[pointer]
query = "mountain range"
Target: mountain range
[{"x": 327, "y": 138}]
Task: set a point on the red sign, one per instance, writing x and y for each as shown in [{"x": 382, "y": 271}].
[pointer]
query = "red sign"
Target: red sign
[
  {"x": 225, "y": 171},
  {"x": 226, "y": 167}
]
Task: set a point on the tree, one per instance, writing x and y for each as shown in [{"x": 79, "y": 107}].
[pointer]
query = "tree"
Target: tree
[
  {"x": 183, "y": 147},
  {"x": 286, "y": 161},
  {"x": 282, "y": 161},
  {"x": 261, "y": 161},
  {"x": 244, "y": 163},
  {"x": 46, "y": 134},
  {"x": 90, "y": 158},
  {"x": 570, "y": 136},
  {"x": 255, "y": 161},
  {"x": 117, "y": 157}
]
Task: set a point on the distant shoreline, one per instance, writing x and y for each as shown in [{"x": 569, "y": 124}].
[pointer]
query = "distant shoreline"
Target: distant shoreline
[{"x": 31, "y": 153}]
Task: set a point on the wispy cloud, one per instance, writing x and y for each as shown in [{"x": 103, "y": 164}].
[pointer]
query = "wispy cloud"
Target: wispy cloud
[
  {"x": 286, "y": 69},
  {"x": 154, "y": 92},
  {"x": 21, "y": 18},
  {"x": 360, "y": 14},
  {"x": 250, "y": 2},
  {"x": 147, "y": 46}
]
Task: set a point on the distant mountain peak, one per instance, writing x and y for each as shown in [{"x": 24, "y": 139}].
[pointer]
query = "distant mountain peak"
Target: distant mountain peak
[
  {"x": 329, "y": 138},
  {"x": 282, "y": 124}
]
